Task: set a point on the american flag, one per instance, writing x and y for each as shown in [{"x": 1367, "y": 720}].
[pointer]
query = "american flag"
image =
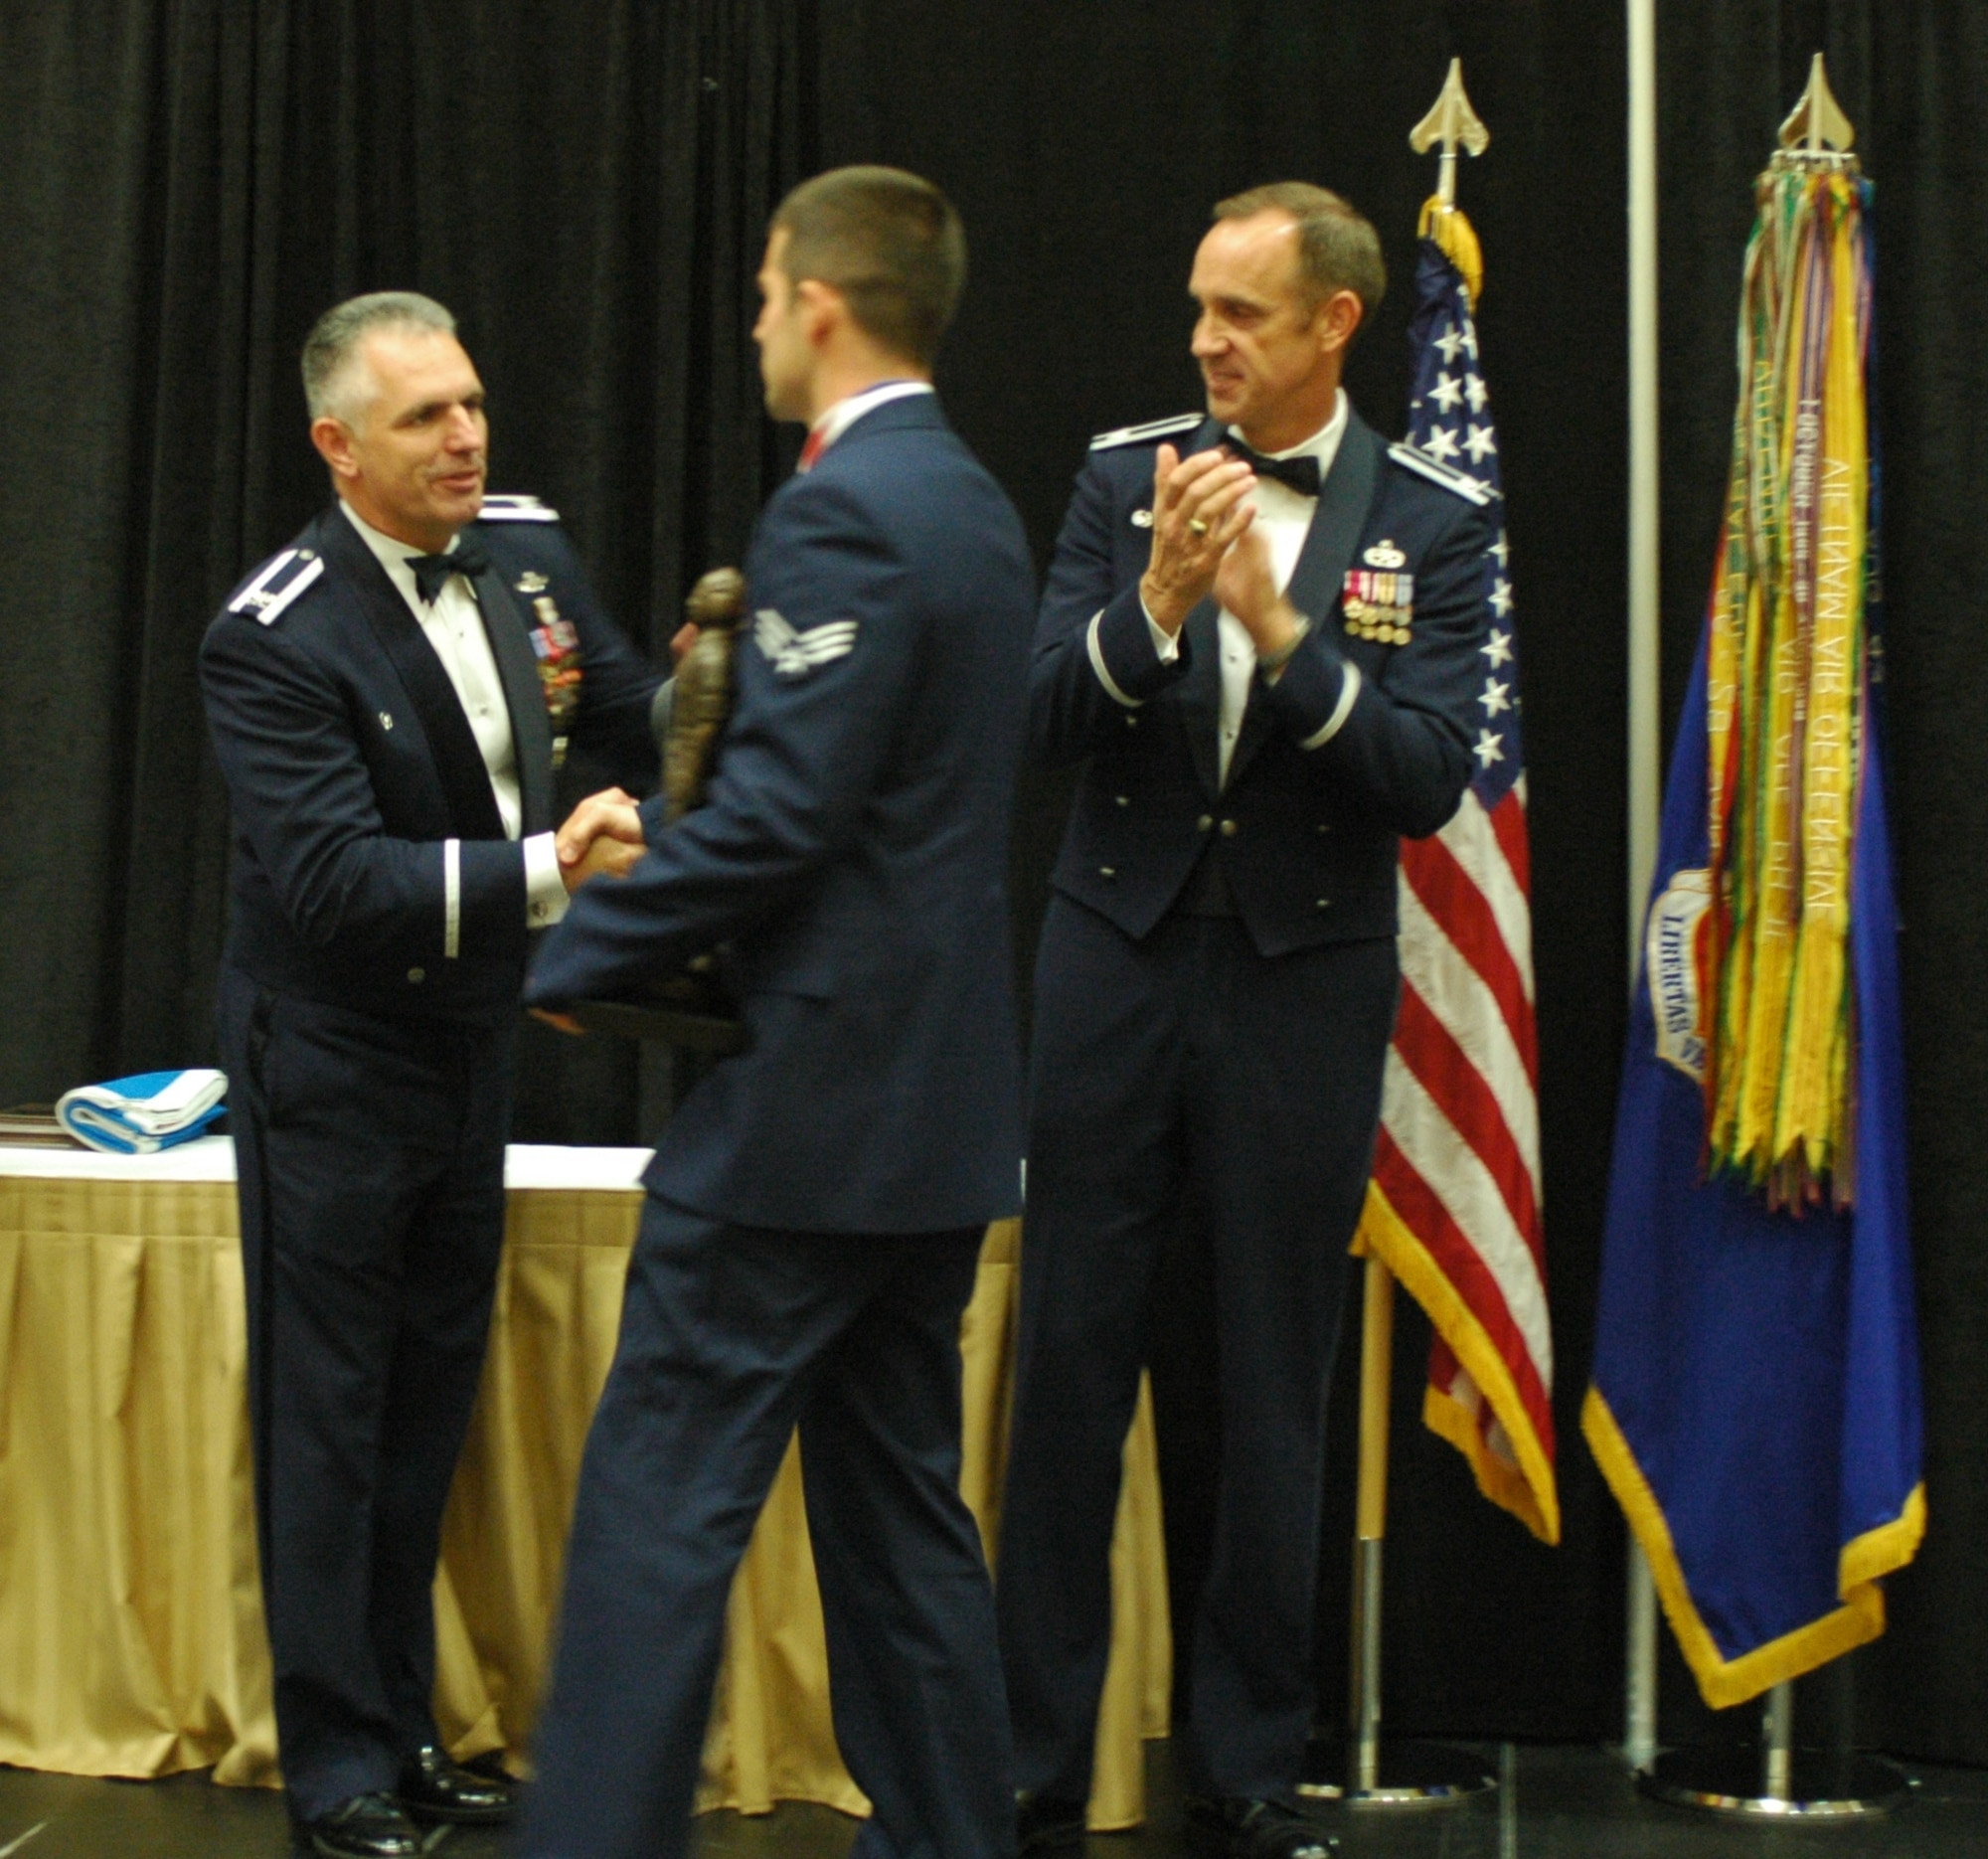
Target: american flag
[{"x": 1453, "y": 1207}]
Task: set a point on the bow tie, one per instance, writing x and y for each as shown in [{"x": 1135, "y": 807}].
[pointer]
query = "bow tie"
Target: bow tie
[
  {"x": 433, "y": 571},
  {"x": 1301, "y": 473}
]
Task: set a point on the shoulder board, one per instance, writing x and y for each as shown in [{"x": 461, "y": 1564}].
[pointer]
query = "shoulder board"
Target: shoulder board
[
  {"x": 1152, "y": 430},
  {"x": 276, "y": 584},
  {"x": 517, "y": 508},
  {"x": 1474, "y": 490}
]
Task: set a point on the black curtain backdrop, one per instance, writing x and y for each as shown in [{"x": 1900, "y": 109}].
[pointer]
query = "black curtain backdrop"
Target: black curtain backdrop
[{"x": 585, "y": 184}]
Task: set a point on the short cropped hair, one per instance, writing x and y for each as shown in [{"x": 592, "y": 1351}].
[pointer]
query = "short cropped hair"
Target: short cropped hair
[
  {"x": 1338, "y": 248},
  {"x": 890, "y": 243},
  {"x": 331, "y": 350}
]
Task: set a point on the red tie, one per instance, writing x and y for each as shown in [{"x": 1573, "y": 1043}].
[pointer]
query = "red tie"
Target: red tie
[{"x": 813, "y": 449}]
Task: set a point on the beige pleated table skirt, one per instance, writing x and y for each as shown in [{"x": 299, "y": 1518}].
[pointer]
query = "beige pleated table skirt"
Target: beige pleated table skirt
[{"x": 130, "y": 1614}]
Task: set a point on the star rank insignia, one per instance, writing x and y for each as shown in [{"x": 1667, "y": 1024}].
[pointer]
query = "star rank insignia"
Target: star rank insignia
[{"x": 1379, "y": 604}]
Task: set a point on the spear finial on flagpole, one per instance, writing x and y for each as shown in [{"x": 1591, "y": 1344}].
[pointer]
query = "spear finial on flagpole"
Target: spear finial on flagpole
[
  {"x": 1451, "y": 122},
  {"x": 1817, "y": 123}
]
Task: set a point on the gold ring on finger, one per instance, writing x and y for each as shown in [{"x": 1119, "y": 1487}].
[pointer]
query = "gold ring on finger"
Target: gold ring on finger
[{"x": 1196, "y": 526}]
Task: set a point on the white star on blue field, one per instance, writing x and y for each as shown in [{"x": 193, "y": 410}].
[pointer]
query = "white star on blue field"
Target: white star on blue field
[{"x": 1447, "y": 382}]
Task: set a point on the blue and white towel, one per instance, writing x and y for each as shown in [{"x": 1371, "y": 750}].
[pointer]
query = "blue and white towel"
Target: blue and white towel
[{"x": 142, "y": 1115}]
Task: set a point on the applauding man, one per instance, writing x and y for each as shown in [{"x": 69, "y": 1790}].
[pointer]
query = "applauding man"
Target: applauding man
[{"x": 1261, "y": 630}]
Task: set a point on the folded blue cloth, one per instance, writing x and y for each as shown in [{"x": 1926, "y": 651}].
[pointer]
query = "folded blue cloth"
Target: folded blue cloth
[{"x": 142, "y": 1115}]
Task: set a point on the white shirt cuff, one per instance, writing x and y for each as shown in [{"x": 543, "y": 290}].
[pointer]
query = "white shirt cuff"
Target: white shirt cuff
[
  {"x": 1166, "y": 643},
  {"x": 545, "y": 890}
]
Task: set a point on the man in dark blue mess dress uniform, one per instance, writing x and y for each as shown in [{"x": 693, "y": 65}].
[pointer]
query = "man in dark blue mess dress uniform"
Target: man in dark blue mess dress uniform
[
  {"x": 1263, "y": 628},
  {"x": 817, "y": 1204},
  {"x": 388, "y": 697}
]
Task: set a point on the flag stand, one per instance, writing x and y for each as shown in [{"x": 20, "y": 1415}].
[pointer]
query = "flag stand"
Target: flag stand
[
  {"x": 1776, "y": 1781},
  {"x": 1407, "y": 1774}
]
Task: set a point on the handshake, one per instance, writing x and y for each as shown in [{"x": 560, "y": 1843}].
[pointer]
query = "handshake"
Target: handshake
[{"x": 602, "y": 835}]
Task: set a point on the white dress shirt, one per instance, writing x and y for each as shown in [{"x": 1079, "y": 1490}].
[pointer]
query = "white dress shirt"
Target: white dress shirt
[
  {"x": 1285, "y": 518},
  {"x": 453, "y": 626}
]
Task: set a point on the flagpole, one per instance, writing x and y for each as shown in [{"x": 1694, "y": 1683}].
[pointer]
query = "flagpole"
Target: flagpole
[
  {"x": 1360, "y": 1773},
  {"x": 1370, "y": 1527},
  {"x": 1639, "y": 1735},
  {"x": 1416, "y": 1774},
  {"x": 1779, "y": 1782}
]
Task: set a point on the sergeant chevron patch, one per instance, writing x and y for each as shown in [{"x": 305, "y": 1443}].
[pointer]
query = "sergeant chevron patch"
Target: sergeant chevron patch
[{"x": 794, "y": 654}]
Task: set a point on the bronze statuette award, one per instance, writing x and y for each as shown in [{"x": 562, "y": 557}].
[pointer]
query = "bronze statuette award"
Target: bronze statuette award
[{"x": 690, "y": 1009}]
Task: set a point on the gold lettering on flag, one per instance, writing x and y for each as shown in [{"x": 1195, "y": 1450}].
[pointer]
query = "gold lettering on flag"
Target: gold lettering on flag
[{"x": 1783, "y": 690}]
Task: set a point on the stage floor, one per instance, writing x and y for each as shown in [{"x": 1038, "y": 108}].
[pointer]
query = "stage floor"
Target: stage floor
[{"x": 1567, "y": 1803}]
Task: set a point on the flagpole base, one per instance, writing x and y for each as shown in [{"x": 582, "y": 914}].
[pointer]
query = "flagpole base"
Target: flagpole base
[
  {"x": 1411, "y": 1774},
  {"x": 1821, "y": 1785}
]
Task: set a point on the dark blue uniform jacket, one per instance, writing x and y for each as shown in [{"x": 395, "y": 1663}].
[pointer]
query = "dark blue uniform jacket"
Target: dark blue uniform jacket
[
  {"x": 1306, "y": 837},
  {"x": 350, "y": 764},
  {"x": 854, "y": 851}
]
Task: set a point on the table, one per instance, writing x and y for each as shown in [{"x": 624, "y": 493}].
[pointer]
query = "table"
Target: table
[{"x": 131, "y": 1636}]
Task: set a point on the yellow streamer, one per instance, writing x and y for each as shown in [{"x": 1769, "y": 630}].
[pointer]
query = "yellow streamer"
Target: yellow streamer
[{"x": 1784, "y": 670}]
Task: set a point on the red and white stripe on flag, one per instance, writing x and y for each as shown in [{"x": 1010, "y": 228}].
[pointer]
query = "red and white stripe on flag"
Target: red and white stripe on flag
[{"x": 1453, "y": 1206}]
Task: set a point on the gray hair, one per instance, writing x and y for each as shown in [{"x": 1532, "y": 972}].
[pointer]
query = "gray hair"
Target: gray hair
[{"x": 332, "y": 347}]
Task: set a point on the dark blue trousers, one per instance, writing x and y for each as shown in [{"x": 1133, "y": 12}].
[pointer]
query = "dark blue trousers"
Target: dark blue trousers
[
  {"x": 370, "y": 1156},
  {"x": 731, "y": 1337},
  {"x": 1184, "y": 1077}
]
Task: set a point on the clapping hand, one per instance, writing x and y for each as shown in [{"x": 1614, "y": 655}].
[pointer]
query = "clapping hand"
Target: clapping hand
[
  {"x": 1201, "y": 505},
  {"x": 1246, "y": 583}
]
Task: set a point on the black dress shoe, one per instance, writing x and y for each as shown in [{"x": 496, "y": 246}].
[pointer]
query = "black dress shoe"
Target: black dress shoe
[
  {"x": 431, "y": 1787},
  {"x": 490, "y": 1765},
  {"x": 1045, "y": 1822},
  {"x": 368, "y": 1826},
  {"x": 1233, "y": 1826}
]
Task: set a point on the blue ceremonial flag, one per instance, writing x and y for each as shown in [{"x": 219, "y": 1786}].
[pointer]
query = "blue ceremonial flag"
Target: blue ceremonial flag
[{"x": 1755, "y": 1395}]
